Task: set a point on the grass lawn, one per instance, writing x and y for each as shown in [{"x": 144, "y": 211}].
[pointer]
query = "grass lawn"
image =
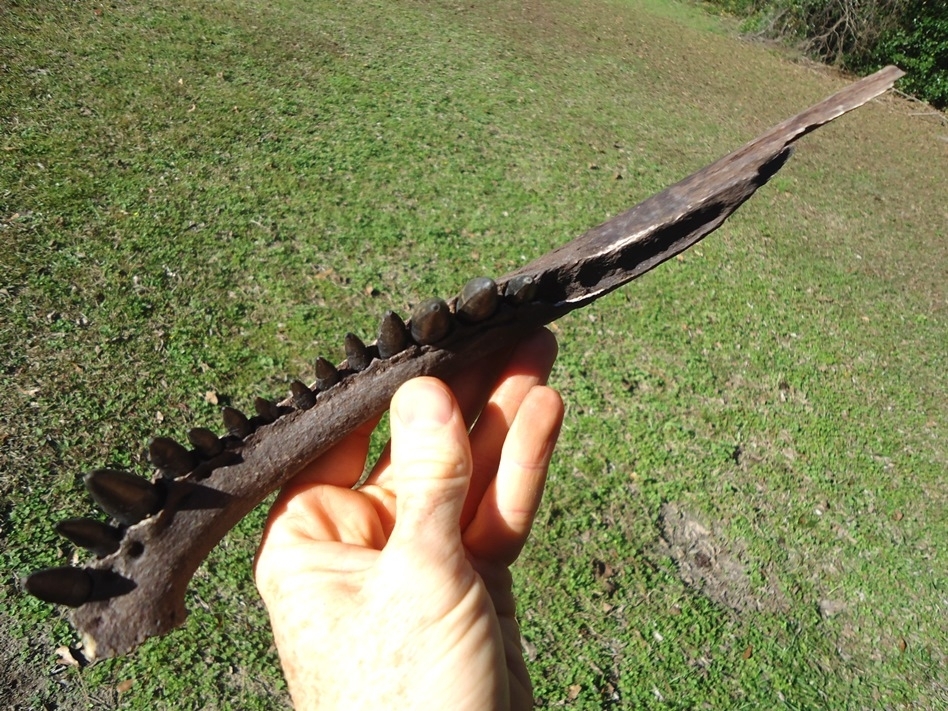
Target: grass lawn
[{"x": 748, "y": 504}]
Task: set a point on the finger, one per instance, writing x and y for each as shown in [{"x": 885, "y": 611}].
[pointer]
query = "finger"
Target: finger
[
  {"x": 503, "y": 520},
  {"x": 431, "y": 464},
  {"x": 342, "y": 465},
  {"x": 471, "y": 390},
  {"x": 529, "y": 366},
  {"x": 473, "y": 387}
]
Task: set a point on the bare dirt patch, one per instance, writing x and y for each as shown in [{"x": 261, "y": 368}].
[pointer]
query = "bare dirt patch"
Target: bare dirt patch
[{"x": 713, "y": 566}]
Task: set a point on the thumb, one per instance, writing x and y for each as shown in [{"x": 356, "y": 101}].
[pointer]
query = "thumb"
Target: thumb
[{"x": 431, "y": 463}]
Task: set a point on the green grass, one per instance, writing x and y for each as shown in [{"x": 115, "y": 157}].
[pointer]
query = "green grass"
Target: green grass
[{"x": 200, "y": 196}]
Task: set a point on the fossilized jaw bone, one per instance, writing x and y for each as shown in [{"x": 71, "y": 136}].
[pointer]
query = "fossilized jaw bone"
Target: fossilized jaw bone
[{"x": 168, "y": 526}]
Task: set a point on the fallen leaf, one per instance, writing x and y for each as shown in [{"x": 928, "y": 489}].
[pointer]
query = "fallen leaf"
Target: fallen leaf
[
  {"x": 124, "y": 686},
  {"x": 67, "y": 657},
  {"x": 210, "y": 397}
]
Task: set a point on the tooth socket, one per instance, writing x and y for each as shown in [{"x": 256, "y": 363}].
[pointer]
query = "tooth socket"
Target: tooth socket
[
  {"x": 236, "y": 422},
  {"x": 357, "y": 355},
  {"x": 430, "y": 321},
  {"x": 171, "y": 458},
  {"x": 207, "y": 444},
  {"x": 100, "y": 538},
  {"x": 393, "y": 335},
  {"x": 60, "y": 586},
  {"x": 478, "y": 300},
  {"x": 267, "y": 410},
  {"x": 125, "y": 497},
  {"x": 326, "y": 374},
  {"x": 303, "y": 397},
  {"x": 521, "y": 290}
]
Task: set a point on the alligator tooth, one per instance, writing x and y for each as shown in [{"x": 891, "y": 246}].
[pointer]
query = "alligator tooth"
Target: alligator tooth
[
  {"x": 393, "y": 335},
  {"x": 125, "y": 497},
  {"x": 171, "y": 458},
  {"x": 208, "y": 444},
  {"x": 236, "y": 422},
  {"x": 326, "y": 374},
  {"x": 100, "y": 538},
  {"x": 303, "y": 397},
  {"x": 430, "y": 321},
  {"x": 357, "y": 355},
  {"x": 521, "y": 289},
  {"x": 478, "y": 300},
  {"x": 267, "y": 410},
  {"x": 60, "y": 586}
]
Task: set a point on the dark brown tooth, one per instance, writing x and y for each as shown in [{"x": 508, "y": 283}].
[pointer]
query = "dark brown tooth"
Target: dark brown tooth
[
  {"x": 100, "y": 538},
  {"x": 267, "y": 410},
  {"x": 357, "y": 355},
  {"x": 125, "y": 497},
  {"x": 430, "y": 321},
  {"x": 521, "y": 289},
  {"x": 60, "y": 586},
  {"x": 326, "y": 374},
  {"x": 236, "y": 422},
  {"x": 171, "y": 458},
  {"x": 208, "y": 444},
  {"x": 393, "y": 335},
  {"x": 303, "y": 397},
  {"x": 478, "y": 300}
]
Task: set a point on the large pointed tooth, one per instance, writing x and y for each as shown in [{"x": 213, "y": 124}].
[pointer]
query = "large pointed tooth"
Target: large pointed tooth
[
  {"x": 357, "y": 355},
  {"x": 267, "y": 410},
  {"x": 478, "y": 300},
  {"x": 430, "y": 321},
  {"x": 393, "y": 335},
  {"x": 208, "y": 444},
  {"x": 326, "y": 374},
  {"x": 521, "y": 289},
  {"x": 125, "y": 497},
  {"x": 236, "y": 422},
  {"x": 303, "y": 397},
  {"x": 96, "y": 536},
  {"x": 60, "y": 586},
  {"x": 171, "y": 458}
]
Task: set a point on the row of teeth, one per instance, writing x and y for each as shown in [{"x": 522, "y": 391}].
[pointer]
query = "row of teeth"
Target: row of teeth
[{"x": 129, "y": 499}]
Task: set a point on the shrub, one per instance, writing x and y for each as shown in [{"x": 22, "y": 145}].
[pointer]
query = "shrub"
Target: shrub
[{"x": 862, "y": 35}]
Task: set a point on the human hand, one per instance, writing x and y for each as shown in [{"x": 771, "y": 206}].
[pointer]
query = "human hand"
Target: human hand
[{"x": 398, "y": 595}]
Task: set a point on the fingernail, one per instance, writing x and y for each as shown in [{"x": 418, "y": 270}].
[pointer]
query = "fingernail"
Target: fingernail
[{"x": 429, "y": 405}]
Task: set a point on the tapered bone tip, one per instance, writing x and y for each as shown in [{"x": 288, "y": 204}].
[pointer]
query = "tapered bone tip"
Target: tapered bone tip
[
  {"x": 478, "y": 300},
  {"x": 60, "y": 586},
  {"x": 207, "y": 443},
  {"x": 125, "y": 497},
  {"x": 96, "y": 536},
  {"x": 430, "y": 321},
  {"x": 171, "y": 458},
  {"x": 236, "y": 422},
  {"x": 303, "y": 397},
  {"x": 393, "y": 335}
]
